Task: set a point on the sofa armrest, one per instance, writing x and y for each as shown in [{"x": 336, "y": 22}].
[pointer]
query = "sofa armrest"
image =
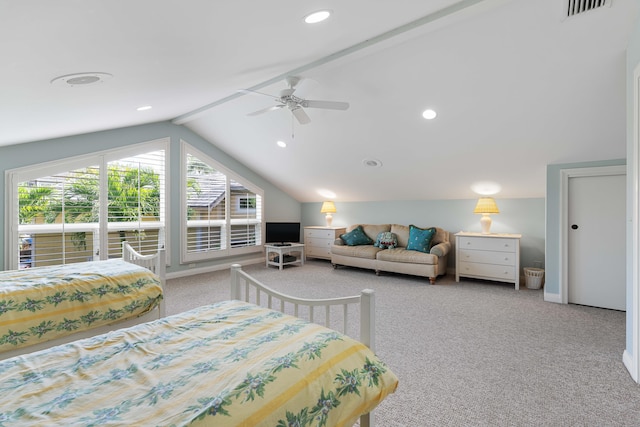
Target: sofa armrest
[
  {"x": 338, "y": 242},
  {"x": 441, "y": 249}
]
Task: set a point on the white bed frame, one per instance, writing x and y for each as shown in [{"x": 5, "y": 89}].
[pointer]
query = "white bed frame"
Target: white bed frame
[
  {"x": 243, "y": 287},
  {"x": 156, "y": 263}
]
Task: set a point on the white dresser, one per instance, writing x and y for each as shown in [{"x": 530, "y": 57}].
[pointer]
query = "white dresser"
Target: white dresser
[
  {"x": 318, "y": 240},
  {"x": 488, "y": 256}
]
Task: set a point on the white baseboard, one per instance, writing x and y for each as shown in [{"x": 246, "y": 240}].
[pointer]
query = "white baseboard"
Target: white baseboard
[
  {"x": 557, "y": 298},
  {"x": 628, "y": 363},
  {"x": 209, "y": 269}
]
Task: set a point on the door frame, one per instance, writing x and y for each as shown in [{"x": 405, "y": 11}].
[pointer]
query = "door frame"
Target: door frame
[
  {"x": 631, "y": 356},
  {"x": 565, "y": 175}
]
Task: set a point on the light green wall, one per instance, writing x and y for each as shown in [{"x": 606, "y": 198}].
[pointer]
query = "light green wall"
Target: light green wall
[
  {"x": 521, "y": 216},
  {"x": 279, "y": 206}
]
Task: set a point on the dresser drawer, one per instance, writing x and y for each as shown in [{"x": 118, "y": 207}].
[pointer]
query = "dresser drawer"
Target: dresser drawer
[
  {"x": 488, "y": 244},
  {"x": 494, "y": 272},
  {"x": 319, "y": 233},
  {"x": 488, "y": 257},
  {"x": 318, "y": 242},
  {"x": 318, "y": 251}
]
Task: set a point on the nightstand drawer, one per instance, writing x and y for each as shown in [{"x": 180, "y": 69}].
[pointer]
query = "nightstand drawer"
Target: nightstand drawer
[
  {"x": 488, "y": 244},
  {"x": 497, "y": 272},
  {"x": 488, "y": 257}
]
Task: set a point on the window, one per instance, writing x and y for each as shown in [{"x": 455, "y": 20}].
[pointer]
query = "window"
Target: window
[
  {"x": 222, "y": 212},
  {"x": 83, "y": 208}
]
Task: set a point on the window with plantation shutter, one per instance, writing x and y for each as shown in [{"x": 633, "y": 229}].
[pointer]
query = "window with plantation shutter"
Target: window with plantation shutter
[
  {"x": 82, "y": 209},
  {"x": 135, "y": 189},
  {"x": 223, "y": 212}
]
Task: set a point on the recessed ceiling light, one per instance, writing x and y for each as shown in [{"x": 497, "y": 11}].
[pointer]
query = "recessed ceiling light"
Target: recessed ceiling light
[
  {"x": 81, "y": 79},
  {"x": 281, "y": 144},
  {"x": 372, "y": 163},
  {"x": 315, "y": 17},
  {"x": 429, "y": 114},
  {"x": 144, "y": 108}
]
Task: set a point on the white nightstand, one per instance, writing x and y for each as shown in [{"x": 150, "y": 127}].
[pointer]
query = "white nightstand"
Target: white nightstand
[
  {"x": 318, "y": 240},
  {"x": 488, "y": 256}
]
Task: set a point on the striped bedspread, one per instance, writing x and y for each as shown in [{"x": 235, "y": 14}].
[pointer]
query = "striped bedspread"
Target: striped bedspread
[
  {"x": 227, "y": 364},
  {"x": 43, "y": 303}
]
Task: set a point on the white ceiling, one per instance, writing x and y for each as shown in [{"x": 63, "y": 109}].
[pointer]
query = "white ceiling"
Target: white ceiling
[{"x": 515, "y": 86}]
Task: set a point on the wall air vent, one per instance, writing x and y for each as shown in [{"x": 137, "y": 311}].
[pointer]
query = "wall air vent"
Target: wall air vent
[{"x": 576, "y": 7}]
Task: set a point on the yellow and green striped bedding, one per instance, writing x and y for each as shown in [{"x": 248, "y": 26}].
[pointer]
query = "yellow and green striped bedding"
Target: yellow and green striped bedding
[
  {"x": 44, "y": 303},
  {"x": 227, "y": 364}
]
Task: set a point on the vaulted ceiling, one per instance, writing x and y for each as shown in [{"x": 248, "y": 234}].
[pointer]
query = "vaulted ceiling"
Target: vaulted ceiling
[{"x": 516, "y": 84}]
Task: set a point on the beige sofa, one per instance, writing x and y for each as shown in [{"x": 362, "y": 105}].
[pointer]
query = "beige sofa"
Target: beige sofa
[{"x": 398, "y": 259}]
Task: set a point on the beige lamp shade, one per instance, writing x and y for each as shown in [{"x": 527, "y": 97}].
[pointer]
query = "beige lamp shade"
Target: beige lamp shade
[
  {"x": 328, "y": 208},
  {"x": 486, "y": 206}
]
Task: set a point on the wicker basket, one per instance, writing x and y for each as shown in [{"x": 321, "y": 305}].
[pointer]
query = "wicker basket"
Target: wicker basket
[{"x": 533, "y": 277}]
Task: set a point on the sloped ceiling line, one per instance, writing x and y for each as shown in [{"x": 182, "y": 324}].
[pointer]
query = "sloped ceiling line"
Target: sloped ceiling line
[{"x": 446, "y": 12}]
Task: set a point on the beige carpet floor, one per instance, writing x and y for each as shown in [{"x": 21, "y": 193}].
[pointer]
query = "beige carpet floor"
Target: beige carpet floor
[{"x": 472, "y": 353}]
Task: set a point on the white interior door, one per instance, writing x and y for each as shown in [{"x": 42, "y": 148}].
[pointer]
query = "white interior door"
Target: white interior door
[{"x": 597, "y": 251}]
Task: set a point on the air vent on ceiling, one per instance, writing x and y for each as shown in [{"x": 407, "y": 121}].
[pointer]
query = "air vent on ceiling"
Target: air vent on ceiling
[{"x": 576, "y": 7}]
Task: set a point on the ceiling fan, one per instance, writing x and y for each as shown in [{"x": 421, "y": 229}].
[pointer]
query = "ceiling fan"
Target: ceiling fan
[{"x": 294, "y": 103}]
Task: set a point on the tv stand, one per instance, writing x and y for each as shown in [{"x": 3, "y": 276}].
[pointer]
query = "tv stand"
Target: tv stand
[
  {"x": 281, "y": 255},
  {"x": 280, "y": 244}
]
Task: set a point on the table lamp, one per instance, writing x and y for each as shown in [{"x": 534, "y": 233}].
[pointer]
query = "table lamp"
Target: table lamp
[
  {"x": 486, "y": 206},
  {"x": 328, "y": 208}
]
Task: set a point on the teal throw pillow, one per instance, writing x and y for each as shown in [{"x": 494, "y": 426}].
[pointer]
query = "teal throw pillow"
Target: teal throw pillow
[
  {"x": 420, "y": 238},
  {"x": 356, "y": 237},
  {"x": 386, "y": 239}
]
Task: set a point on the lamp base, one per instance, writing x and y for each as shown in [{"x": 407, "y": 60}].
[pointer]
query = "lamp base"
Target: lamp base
[
  {"x": 485, "y": 223},
  {"x": 329, "y": 219}
]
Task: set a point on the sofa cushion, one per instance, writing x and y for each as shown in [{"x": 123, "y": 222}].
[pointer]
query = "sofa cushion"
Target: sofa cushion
[
  {"x": 406, "y": 256},
  {"x": 362, "y": 251},
  {"x": 372, "y": 230},
  {"x": 386, "y": 239},
  {"x": 356, "y": 237},
  {"x": 420, "y": 238},
  {"x": 402, "y": 233}
]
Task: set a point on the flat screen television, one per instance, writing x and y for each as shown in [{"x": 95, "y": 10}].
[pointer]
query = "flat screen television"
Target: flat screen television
[{"x": 282, "y": 232}]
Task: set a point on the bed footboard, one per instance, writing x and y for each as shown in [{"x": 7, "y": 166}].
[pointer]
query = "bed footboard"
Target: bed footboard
[
  {"x": 154, "y": 262},
  {"x": 243, "y": 286}
]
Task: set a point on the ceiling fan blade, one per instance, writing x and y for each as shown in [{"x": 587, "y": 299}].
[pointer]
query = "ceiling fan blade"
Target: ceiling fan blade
[
  {"x": 266, "y": 110},
  {"x": 331, "y": 105},
  {"x": 302, "y": 117}
]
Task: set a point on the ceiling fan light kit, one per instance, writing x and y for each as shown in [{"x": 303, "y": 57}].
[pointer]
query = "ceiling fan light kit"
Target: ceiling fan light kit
[{"x": 295, "y": 104}]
